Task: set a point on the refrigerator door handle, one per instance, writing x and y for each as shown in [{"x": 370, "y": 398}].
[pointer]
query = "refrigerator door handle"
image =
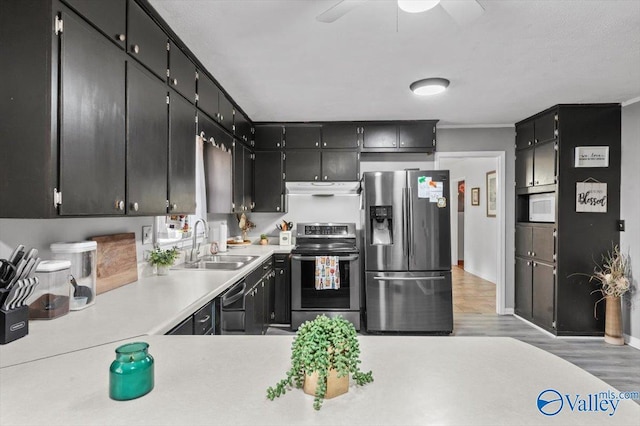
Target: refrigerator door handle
[
  {"x": 404, "y": 223},
  {"x": 378, "y": 278},
  {"x": 410, "y": 221}
]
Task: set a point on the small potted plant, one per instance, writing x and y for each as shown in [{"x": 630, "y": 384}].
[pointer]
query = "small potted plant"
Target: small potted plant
[
  {"x": 264, "y": 239},
  {"x": 324, "y": 352},
  {"x": 163, "y": 259}
]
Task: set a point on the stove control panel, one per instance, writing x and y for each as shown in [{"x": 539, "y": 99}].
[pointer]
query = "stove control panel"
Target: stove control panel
[{"x": 334, "y": 230}]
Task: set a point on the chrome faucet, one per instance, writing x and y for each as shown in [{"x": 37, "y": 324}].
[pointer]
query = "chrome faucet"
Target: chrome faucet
[{"x": 195, "y": 247}]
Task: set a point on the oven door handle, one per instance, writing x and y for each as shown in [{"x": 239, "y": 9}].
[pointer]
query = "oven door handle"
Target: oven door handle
[
  {"x": 340, "y": 258},
  {"x": 408, "y": 278}
]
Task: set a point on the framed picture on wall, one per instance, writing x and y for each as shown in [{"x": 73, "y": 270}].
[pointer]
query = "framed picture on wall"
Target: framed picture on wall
[
  {"x": 475, "y": 196},
  {"x": 492, "y": 205}
]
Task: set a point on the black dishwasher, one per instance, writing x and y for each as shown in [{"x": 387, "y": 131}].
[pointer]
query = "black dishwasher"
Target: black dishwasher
[{"x": 233, "y": 309}]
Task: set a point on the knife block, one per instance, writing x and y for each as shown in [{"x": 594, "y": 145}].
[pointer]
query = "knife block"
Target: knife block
[{"x": 14, "y": 324}]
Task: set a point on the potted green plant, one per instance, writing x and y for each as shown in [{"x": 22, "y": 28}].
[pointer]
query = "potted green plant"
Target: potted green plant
[
  {"x": 264, "y": 239},
  {"x": 163, "y": 259},
  {"x": 613, "y": 277},
  {"x": 324, "y": 352}
]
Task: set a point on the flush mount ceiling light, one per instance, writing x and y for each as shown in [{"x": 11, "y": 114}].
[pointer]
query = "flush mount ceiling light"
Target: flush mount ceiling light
[
  {"x": 429, "y": 86},
  {"x": 417, "y": 6}
]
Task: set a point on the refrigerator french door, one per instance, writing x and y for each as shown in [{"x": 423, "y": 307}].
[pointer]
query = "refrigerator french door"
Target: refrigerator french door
[{"x": 407, "y": 251}]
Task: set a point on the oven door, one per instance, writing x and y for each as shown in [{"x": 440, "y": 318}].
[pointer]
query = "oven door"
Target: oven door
[{"x": 304, "y": 295}]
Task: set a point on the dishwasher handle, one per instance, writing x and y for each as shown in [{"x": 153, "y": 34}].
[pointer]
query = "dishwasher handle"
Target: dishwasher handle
[
  {"x": 232, "y": 295},
  {"x": 408, "y": 278}
]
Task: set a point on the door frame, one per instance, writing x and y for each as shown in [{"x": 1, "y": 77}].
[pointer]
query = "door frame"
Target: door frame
[{"x": 500, "y": 158}]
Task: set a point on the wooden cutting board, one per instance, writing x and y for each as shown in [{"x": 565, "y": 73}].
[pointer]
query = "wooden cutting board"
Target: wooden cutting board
[{"x": 117, "y": 262}]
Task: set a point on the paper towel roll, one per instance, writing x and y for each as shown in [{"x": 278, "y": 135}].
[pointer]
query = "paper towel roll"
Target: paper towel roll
[{"x": 222, "y": 244}]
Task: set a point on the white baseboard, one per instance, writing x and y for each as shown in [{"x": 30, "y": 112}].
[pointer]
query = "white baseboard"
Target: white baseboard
[
  {"x": 632, "y": 341},
  {"x": 507, "y": 311}
]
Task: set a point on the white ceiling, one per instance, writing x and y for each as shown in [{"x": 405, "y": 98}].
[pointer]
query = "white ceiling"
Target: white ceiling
[{"x": 518, "y": 58}]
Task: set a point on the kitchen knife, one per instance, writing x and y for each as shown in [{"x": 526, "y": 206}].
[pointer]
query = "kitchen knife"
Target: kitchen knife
[
  {"x": 27, "y": 268},
  {"x": 14, "y": 256},
  {"x": 31, "y": 254},
  {"x": 19, "y": 268},
  {"x": 12, "y": 295}
]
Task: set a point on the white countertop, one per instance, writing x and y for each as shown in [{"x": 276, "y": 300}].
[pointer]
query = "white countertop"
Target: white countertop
[
  {"x": 223, "y": 380},
  {"x": 151, "y": 305}
]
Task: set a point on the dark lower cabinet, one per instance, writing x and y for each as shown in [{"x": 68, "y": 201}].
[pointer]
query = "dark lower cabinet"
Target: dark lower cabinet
[
  {"x": 543, "y": 294},
  {"x": 269, "y": 181},
  {"x": 185, "y": 328},
  {"x": 147, "y": 149},
  {"x": 523, "y": 288},
  {"x": 182, "y": 152},
  {"x": 205, "y": 321},
  {"x": 303, "y": 165},
  {"x": 108, "y": 16},
  {"x": 92, "y": 122},
  {"x": 146, "y": 42},
  {"x": 282, "y": 289}
]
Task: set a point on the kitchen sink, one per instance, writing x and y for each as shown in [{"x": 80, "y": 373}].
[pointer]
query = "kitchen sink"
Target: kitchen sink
[{"x": 218, "y": 262}]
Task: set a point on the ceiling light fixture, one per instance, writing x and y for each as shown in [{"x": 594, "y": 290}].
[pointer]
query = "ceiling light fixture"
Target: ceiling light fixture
[
  {"x": 429, "y": 86},
  {"x": 417, "y": 6}
]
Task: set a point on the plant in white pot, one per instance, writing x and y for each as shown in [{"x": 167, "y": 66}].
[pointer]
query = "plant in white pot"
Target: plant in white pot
[
  {"x": 163, "y": 259},
  {"x": 324, "y": 352}
]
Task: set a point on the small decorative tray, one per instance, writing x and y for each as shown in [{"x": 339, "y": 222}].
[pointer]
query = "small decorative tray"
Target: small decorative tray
[{"x": 237, "y": 244}]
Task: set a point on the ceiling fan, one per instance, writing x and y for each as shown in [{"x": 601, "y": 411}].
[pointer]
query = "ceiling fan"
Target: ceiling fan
[{"x": 462, "y": 12}]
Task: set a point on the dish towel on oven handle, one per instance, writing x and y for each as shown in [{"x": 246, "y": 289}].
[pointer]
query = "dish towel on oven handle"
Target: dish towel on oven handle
[{"x": 327, "y": 273}]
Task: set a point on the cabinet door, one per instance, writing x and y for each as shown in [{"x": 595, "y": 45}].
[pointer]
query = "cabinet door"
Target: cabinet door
[
  {"x": 208, "y": 96},
  {"x": 268, "y": 137},
  {"x": 147, "y": 150},
  {"x": 523, "y": 287},
  {"x": 182, "y": 73},
  {"x": 185, "y": 328},
  {"x": 543, "y": 294},
  {"x": 267, "y": 301},
  {"x": 524, "y": 168},
  {"x": 523, "y": 240},
  {"x": 302, "y": 165},
  {"x": 203, "y": 320},
  {"x": 108, "y": 16},
  {"x": 524, "y": 135},
  {"x": 417, "y": 135},
  {"x": 544, "y": 164},
  {"x": 545, "y": 127},
  {"x": 340, "y": 165},
  {"x": 380, "y": 136},
  {"x": 257, "y": 323},
  {"x": 92, "y": 122},
  {"x": 282, "y": 290},
  {"x": 238, "y": 178},
  {"x": 341, "y": 135},
  {"x": 301, "y": 136},
  {"x": 182, "y": 156},
  {"x": 247, "y": 179},
  {"x": 242, "y": 127},
  {"x": 212, "y": 132},
  {"x": 543, "y": 243},
  {"x": 225, "y": 111},
  {"x": 147, "y": 42},
  {"x": 268, "y": 169}
]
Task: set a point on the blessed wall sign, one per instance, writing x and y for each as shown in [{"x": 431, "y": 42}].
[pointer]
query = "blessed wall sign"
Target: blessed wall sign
[{"x": 591, "y": 197}]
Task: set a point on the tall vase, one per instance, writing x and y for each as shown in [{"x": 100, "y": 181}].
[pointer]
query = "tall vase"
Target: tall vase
[{"x": 613, "y": 321}]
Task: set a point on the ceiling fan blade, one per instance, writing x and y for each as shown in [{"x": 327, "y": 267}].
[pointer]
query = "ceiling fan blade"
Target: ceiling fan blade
[
  {"x": 463, "y": 12},
  {"x": 338, "y": 10}
]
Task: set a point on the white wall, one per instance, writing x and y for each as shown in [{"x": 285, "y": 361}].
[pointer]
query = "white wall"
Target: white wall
[
  {"x": 630, "y": 212},
  {"x": 480, "y": 246}
]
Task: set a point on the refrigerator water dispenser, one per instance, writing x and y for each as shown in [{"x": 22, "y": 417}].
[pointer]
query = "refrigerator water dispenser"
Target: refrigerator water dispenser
[{"x": 381, "y": 218}]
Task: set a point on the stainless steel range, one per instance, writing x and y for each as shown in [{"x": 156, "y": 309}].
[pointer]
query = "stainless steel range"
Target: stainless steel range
[{"x": 332, "y": 290}]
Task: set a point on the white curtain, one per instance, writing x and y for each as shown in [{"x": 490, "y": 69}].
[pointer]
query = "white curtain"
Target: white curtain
[{"x": 201, "y": 191}]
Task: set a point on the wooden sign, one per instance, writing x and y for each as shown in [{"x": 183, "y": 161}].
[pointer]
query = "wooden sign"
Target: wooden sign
[
  {"x": 591, "y": 156},
  {"x": 591, "y": 197}
]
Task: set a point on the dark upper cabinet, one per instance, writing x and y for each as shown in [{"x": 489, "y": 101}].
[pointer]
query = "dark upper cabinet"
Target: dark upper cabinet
[
  {"x": 544, "y": 164},
  {"x": 108, "y": 16},
  {"x": 268, "y": 136},
  {"x": 214, "y": 102},
  {"x": 212, "y": 132},
  {"x": 269, "y": 182},
  {"x": 242, "y": 178},
  {"x": 242, "y": 127},
  {"x": 302, "y": 136},
  {"x": 146, "y": 41},
  {"x": 523, "y": 288},
  {"x": 417, "y": 135},
  {"x": 302, "y": 165},
  {"x": 524, "y": 135},
  {"x": 182, "y": 73},
  {"x": 377, "y": 135},
  {"x": 92, "y": 122},
  {"x": 340, "y": 166},
  {"x": 147, "y": 149},
  {"x": 182, "y": 155},
  {"x": 545, "y": 127},
  {"x": 341, "y": 135},
  {"x": 524, "y": 168}
]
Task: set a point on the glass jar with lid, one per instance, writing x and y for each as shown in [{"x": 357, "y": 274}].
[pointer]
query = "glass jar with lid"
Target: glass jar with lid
[{"x": 131, "y": 373}]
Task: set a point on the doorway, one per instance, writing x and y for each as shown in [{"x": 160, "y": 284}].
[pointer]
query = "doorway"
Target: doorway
[{"x": 483, "y": 231}]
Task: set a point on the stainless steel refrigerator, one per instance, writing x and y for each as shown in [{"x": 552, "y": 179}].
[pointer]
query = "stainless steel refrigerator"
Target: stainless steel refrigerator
[{"x": 407, "y": 245}]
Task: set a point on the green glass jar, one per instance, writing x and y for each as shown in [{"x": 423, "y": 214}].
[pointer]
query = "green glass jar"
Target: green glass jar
[{"x": 131, "y": 374}]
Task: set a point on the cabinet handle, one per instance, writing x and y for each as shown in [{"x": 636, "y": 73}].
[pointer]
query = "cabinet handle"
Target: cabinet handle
[
  {"x": 122, "y": 37},
  {"x": 205, "y": 319},
  {"x": 278, "y": 208},
  {"x": 534, "y": 264},
  {"x": 528, "y": 263},
  {"x": 134, "y": 207},
  {"x": 528, "y": 253},
  {"x": 221, "y": 117},
  {"x": 535, "y": 141},
  {"x": 281, "y": 271},
  {"x": 136, "y": 48},
  {"x": 530, "y": 183},
  {"x": 315, "y": 178},
  {"x": 174, "y": 81},
  {"x": 325, "y": 178},
  {"x": 316, "y": 143},
  {"x": 324, "y": 144},
  {"x": 529, "y": 143},
  {"x": 174, "y": 206},
  {"x": 533, "y": 253},
  {"x": 119, "y": 204}
]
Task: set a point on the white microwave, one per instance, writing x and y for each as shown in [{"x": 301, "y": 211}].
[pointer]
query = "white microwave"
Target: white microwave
[{"x": 542, "y": 207}]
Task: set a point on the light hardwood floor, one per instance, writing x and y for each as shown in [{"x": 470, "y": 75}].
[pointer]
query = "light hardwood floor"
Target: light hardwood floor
[{"x": 472, "y": 294}]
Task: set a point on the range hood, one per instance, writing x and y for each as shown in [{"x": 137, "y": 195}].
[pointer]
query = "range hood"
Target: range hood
[{"x": 323, "y": 188}]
